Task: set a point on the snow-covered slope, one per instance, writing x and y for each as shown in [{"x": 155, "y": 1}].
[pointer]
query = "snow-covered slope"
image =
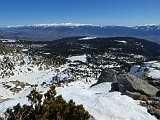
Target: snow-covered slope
[
  {"x": 80, "y": 58},
  {"x": 23, "y": 80},
  {"x": 87, "y": 38},
  {"x": 8, "y": 40},
  {"x": 98, "y": 101},
  {"x": 105, "y": 105},
  {"x": 101, "y": 104},
  {"x": 149, "y": 69}
]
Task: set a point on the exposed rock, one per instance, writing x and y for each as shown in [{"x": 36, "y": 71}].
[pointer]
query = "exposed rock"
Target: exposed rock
[
  {"x": 114, "y": 87},
  {"x": 154, "y": 101},
  {"x": 131, "y": 83},
  {"x": 153, "y": 111},
  {"x": 133, "y": 95},
  {"x": 108, "y": 75},
  {"x": 155, "y": 83},
  {"x": 2, "y": 100}
]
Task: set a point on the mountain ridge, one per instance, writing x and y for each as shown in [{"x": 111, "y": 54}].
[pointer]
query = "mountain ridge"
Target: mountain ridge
[
  {"x": 49, "y": 32},
  {"x": 77, "y": 24}
]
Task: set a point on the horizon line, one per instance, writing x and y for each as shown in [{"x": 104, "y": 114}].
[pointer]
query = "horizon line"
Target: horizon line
[{"x": 71, "y": 24}]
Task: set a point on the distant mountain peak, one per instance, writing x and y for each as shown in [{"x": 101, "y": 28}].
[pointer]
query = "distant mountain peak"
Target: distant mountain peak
[
  {"x": 54, "y": 25},
  {"x": 149, "y": 25},
  {"x": 47, "y": 32},
  {"x": 80, "y": 25}
]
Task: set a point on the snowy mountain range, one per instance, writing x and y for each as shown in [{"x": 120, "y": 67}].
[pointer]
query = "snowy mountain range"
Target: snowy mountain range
[
  {"x": 48, "y": 32},
  {"x": 78, "y": 25},
  {"x": 54, "y": 25}
]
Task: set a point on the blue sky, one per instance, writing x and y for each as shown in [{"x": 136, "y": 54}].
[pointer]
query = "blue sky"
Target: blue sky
[{"x": 102, "y": 12}]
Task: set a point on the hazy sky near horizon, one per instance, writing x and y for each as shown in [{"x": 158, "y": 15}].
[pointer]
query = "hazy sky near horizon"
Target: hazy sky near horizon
[{"x": 101, "y": 12}]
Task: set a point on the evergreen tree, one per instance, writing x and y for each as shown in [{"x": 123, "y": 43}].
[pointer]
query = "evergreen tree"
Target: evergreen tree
[{"x": 53, "y": 107}]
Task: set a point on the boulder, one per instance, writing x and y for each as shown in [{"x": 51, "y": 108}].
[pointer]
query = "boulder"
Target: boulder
[
  {"x": 108, "y": 75},
  {"x": 132, "y": 83},
  {"x": 134, "y": 95}
]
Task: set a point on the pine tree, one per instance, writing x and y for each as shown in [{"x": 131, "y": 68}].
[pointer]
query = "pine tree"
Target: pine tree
[{"x": 53, "y": 107}]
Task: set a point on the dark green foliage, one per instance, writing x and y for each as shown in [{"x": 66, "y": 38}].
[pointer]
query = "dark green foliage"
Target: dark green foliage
[
  {"x": 52, "y": 108},
  {"x": 35, "y": 97},
  {"x": 1, "y": 118},
  {"x": 74, "y": 46}
]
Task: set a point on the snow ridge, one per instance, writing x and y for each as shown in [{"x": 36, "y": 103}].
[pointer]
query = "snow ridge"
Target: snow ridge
[
  {"x": 54, "y": 25},
  {"x": 148, "y": 26}
]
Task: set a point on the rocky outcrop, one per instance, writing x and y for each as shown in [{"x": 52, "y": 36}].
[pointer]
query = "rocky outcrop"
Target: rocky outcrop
[
  {"x": 133, "y": 86},
  {"x": 124, "y": 82},
  {"x": 108, "y": 75},
  {"x": 132, "y": 83},
  {"x": 134, "y": 95},
  {"x": 152, "y": 109}
]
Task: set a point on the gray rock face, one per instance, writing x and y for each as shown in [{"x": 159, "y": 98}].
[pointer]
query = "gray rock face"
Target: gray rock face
[
  {"x": 108, "y": 75},
  {"x": 131, "y": 83},
  {"x": 154, "y": 111},
  {"x": 133, "y": 95},
  {"x": 124, "y": 83},
  {"x": 135, "y": 87}
]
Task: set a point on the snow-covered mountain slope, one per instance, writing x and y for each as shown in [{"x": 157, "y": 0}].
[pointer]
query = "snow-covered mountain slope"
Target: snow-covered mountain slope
[
  {"x": 105, "y": 105},
  {"x": 8, "y": 40},
  {"x": 24, "y": 77},
  {"x": 74, "y": 68},
  {"x": 149, "y": 69},
  {"x": 100, "y": 103}
]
